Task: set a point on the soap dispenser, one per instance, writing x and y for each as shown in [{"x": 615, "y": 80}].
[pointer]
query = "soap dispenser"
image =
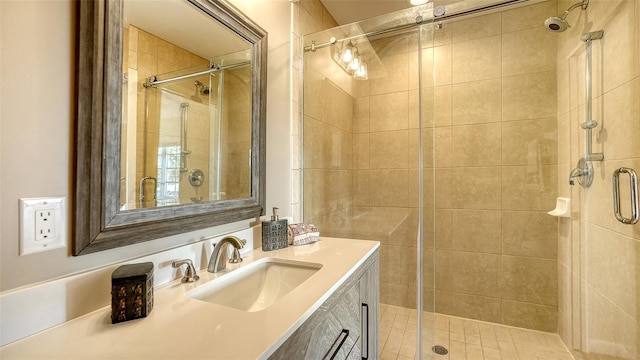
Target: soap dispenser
[{"x": 275, "y": 233}]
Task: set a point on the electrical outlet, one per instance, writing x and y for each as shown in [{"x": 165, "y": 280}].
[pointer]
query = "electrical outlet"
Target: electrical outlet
[
  {"x": 42, "y": 224},
  {"x": 45, "y": 224}
]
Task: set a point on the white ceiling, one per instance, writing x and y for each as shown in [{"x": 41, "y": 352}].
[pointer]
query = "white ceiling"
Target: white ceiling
[
  {"x": 182, "y": 24},
  {"x": 348, "y": 11}
]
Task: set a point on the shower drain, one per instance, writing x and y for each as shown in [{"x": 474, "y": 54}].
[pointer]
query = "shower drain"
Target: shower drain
[{"x": 440, "y": 350}]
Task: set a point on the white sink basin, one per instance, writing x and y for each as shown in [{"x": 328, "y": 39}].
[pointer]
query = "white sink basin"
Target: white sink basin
[{"x": 256, "y": 286}]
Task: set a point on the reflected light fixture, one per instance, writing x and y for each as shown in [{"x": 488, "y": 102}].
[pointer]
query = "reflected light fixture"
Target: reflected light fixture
[{"x": 350, "y": 60}]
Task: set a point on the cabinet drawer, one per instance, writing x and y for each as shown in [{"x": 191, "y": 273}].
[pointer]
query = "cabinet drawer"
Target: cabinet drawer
[{"x": 338, "y": 334}]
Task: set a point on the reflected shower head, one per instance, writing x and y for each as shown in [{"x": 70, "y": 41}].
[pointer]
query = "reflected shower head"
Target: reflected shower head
[
  {"x": 559, "y": 23},
  {"x": 196, "y": 96}
]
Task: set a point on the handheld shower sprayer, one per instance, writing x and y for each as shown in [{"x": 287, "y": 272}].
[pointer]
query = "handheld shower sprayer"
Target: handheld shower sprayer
[{"x": 559, "y": 23}]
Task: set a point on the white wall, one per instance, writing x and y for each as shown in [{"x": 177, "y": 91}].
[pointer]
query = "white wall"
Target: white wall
[{"x": 36, "y": 124}]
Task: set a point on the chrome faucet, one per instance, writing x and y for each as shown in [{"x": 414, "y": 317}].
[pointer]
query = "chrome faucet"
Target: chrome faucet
[
  {"x": 189, "y": 274},
  {"x": 583, "y": 171},
  {"x": 577, "y": 172},
  {"x": 220, "y": 254}
]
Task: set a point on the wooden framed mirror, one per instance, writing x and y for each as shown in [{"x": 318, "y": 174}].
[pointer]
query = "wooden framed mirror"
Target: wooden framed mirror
[{"x": 111, "y": 191}]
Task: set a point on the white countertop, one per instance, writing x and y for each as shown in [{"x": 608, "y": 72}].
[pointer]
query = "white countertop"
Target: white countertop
[{"x": 183, "y": 328}]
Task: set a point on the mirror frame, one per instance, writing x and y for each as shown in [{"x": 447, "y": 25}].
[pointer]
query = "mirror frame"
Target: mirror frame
[{"x": 99, "y": 224}]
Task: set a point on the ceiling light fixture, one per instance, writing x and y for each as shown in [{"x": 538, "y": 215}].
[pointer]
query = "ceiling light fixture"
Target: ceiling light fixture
[
  {"x": 361, "y": 73},
  {"x": 350, "y": 60},
  {"x": 355, "y": 62},
  {"x": 418, "y": 2}
]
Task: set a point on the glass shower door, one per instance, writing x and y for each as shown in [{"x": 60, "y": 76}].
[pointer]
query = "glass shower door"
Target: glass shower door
[
  {"x": 426, "y": 55},
  {"x": 368, "y": 161}
]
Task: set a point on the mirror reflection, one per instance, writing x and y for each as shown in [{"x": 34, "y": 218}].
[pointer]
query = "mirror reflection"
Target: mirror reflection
[{"x": 187, "y": 108}]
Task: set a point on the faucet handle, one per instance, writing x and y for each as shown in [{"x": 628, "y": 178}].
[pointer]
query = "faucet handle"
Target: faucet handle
[
  {"x": 236, "y": 258},
  {"x": 190, "y": 274}
]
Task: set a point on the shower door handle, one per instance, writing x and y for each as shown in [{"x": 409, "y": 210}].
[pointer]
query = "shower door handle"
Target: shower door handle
[
  {"x": 633, "y": 187},
  {"x": 155, "y": 190}
]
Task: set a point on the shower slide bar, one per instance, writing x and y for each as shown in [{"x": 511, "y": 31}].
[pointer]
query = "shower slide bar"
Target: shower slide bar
[
  {"x": 153, "y": 80},
  {"x": 184, "y": 126},
  {"x": 418, "y": 21},
  {"x": 633, "y": 187},
  {"x": 589, "y": 123},
  {"x": 584, "y": 169}
]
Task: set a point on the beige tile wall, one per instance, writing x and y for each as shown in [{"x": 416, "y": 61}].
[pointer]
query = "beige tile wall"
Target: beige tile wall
[
  {"x": 308, "y": 16},
  {"x": 329, "y": 159},
  {"x": 236, "y": 174},
  {"x": 496, "y": 170},
  {"x": 598, "y": 257},
  {"x": 491, "y": 154},
  {"x": 328, "y": 156}
]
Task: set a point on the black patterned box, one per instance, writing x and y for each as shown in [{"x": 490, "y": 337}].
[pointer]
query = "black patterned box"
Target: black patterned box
[{"x": 131, "y": 292}]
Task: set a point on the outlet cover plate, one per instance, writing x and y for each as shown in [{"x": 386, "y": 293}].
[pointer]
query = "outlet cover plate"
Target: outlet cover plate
[{"x": 56, "y": 224}]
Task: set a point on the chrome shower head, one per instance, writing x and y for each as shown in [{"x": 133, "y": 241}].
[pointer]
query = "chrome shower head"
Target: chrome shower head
[
  {"x": 556, "y": 24},
  {"x": 559, "y": 23}
]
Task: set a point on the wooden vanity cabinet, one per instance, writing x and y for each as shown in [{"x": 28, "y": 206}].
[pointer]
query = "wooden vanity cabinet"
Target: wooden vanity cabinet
[{"x": 346, "y": 324}]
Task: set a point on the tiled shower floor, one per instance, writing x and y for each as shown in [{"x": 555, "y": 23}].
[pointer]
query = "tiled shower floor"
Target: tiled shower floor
[{"x": 465, "y": 339}]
